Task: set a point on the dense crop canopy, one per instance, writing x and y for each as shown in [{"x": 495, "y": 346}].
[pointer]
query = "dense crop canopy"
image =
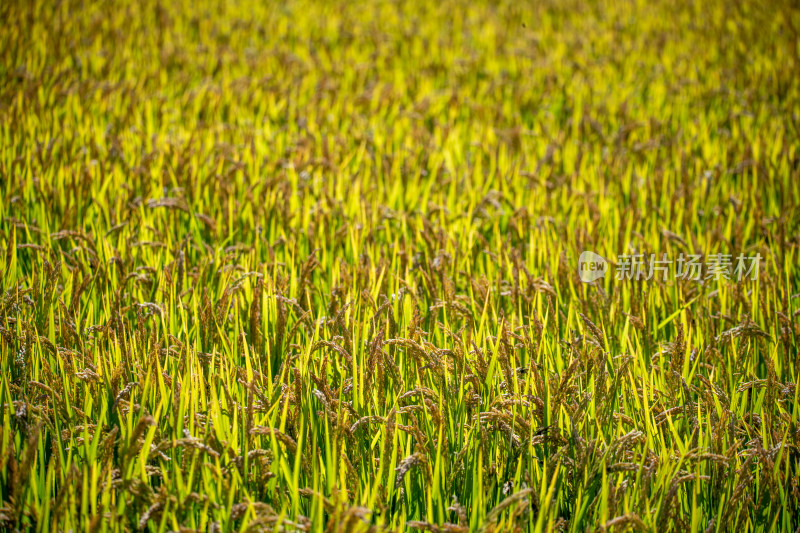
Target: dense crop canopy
[{"x": 315, "y": 265}]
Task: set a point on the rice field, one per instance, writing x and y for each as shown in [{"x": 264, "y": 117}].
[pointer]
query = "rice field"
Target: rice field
[{"x": 319, "y": 266}]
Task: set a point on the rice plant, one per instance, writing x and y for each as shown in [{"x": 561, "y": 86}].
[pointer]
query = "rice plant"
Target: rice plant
[{"x": 317, "y": 266}]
